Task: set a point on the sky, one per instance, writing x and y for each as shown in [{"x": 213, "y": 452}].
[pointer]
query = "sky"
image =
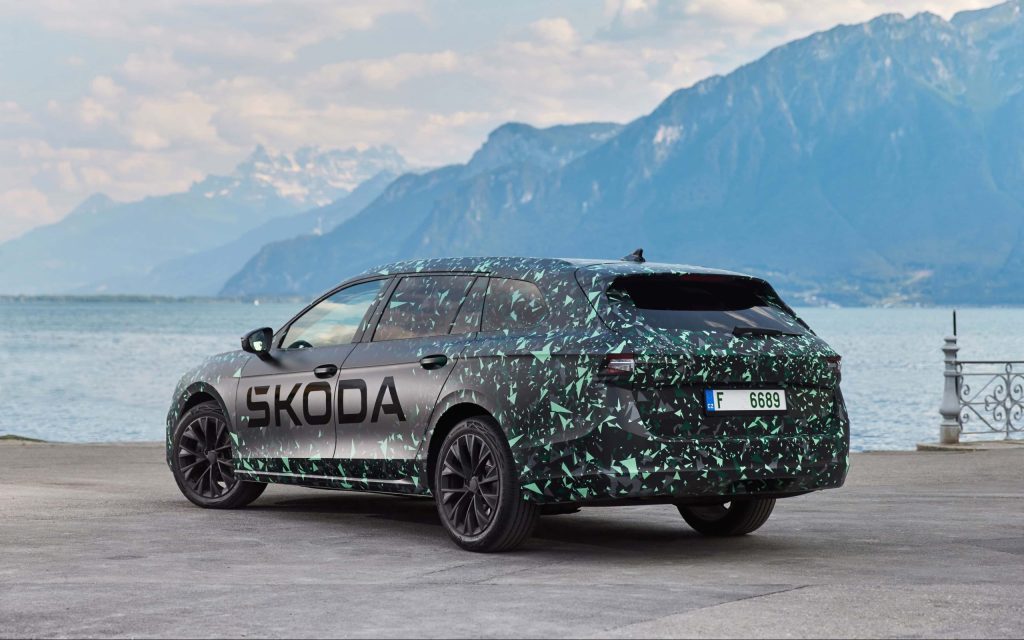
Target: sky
[{"x": 133, "y": 98}]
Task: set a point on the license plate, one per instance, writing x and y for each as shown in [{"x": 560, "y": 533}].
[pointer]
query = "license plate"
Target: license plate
[{"x": 744, "y": 400}]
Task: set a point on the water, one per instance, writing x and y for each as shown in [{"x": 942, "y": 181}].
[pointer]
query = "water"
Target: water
[{"x": 89, "y": 371}]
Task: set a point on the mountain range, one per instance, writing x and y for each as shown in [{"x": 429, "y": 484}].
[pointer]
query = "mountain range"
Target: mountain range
[
  {"x": 164, "y": 244},
  {"x": 874, "y": 163}
]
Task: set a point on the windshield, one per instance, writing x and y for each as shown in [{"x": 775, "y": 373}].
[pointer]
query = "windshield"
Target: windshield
[{"x": 702, "y": 303}]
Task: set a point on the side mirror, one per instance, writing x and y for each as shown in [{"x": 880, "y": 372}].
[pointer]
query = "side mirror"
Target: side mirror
[{"x": 258, "y": 341}]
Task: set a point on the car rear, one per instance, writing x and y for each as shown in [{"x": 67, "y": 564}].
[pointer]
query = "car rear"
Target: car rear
[{"x": 720, "y": 387}]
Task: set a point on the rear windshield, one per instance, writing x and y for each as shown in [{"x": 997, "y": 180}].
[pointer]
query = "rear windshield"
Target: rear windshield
[{"x": 702, "y": 303}]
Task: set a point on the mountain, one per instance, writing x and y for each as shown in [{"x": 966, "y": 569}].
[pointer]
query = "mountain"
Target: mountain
[
  {"x": 515, "y": 153},
  {"x": 871, "y": 163},
  {"x": 515, "y": 144},
  {"x": 203, "y": 273},
  {"x": 104, "y": 246}
]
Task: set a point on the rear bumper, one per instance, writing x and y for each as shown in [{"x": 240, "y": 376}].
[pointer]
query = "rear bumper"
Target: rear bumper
[{"x": 655, "y": 469}]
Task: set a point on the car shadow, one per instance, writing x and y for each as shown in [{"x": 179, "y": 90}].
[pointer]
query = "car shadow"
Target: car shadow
[
  {"x": 342, "y": 504},
  {"x": 645, "y": 530}
]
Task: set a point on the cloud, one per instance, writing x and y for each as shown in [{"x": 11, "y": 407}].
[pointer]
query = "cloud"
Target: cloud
[
  {"x": 251, "y": 29},
  {"x": 181, "y": 119},
  {"x": 142, "y": 98},
  {"x": 158, "y": 69},
  {"x": 555, "y": 30},
  {"x": 741, "y": 20},
  {"x": 92, "y": 112},
  {"x": 383, "y": 73},
  {"x": 24, "y": 208},
  {"x": 83, "y": 170},
  {"x": 751, "y": 12},
  {"x": 12, "y": 114},
  {"x": 105, "y": 88}
]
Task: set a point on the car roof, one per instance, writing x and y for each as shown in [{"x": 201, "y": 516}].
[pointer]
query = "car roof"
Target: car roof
[
  {"x": 504, "y": 266},
  {"x": 537, "y": 268}
]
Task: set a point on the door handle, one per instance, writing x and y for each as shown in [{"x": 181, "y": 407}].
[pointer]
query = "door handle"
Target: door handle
[
  {"x": 325, "y": 371},
  {"x": 434, "y": 362}
]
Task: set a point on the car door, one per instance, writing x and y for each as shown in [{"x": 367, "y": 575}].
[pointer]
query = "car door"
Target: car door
[
  {"x": 287, "y": 400},
  {"x": 392, "y": 378}
]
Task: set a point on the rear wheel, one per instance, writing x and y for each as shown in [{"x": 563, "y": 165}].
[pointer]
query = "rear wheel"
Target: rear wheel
[
  {"x": 201, "y": 461},
  {"x": 476, "y": 488},
  {"x": 735, "y": 518}
]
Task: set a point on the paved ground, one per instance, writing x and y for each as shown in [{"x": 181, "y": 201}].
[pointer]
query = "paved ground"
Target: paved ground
[{"x": 96, "y": 541}]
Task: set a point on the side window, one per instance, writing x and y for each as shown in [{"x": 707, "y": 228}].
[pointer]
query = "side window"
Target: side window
[
  {"x": 512, "y": 304},
  {"x": 422, "y": 306},
  {"x": 468, "y": 319},
  {"x": 335, "y": 320}
]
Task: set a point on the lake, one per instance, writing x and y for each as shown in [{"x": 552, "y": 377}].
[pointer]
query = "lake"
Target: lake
[{"x": 104, "y": 370}]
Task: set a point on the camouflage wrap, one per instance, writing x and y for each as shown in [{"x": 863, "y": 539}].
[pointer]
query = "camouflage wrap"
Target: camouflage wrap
[
  {"x": 576, "y": 435},
  {"x": 215, "y": 379}
]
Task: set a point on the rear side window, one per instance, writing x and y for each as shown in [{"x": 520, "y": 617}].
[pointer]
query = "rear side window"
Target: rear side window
[
  {"x": 512, "y": 304},
  {"x": 701, "y": 303},
  {"x": 422, "y": 306}
]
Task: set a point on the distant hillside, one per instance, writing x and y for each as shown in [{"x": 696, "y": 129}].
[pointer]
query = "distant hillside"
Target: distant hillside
[
  {"x": 514, "y": 154},
  {"x": 203, "y": 273},
  {"x": 104, "y": 246},
  {"x": 879, "y": 162}
]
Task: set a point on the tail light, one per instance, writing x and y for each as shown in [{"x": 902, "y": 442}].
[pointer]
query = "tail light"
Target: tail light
[
  {"x": 835, "y": 364},
  {"x": 618, "y": 364}
]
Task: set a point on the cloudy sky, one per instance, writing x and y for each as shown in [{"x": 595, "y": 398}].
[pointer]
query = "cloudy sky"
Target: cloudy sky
[{"x": 142, "y": 97}]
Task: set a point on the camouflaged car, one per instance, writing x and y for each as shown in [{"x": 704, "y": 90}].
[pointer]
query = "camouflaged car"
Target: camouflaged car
[{"x": 507, "y": 388}]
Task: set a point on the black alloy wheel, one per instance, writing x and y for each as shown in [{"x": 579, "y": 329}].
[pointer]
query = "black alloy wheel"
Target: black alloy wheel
[
  {"x": 201, "y": 453},
  {"x": 470, "y": 485},
  {"x": 477, "y": 490},
  {"x": 204, "y": 457}
]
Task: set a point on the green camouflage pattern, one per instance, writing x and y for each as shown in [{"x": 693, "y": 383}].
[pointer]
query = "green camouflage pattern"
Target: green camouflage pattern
[{"x": 575, "y": 435}]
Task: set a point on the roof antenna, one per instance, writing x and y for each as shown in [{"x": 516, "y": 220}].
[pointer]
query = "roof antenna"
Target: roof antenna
[{"x": 636, "y": 256}]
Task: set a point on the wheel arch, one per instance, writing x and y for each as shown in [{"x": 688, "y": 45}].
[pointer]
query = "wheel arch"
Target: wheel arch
[
  {"x": 452, "y": 410},
  {"x": 193, "y": 395},
  {"x": 197, "y": 393}
]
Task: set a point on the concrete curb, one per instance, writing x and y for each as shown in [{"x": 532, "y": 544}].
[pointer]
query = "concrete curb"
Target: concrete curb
[{"x": 970, "y": 447}]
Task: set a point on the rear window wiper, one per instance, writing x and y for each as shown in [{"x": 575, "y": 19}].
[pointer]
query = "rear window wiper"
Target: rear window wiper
[{"x": 758, "y": 331}]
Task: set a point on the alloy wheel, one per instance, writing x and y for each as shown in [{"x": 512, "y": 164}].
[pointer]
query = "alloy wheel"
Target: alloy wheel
[
  {"x": 470, "y": 485},
  {"x": 204, "y": 457}
]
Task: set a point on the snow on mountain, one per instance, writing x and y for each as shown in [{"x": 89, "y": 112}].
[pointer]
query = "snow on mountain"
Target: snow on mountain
[
  {"x": 310, "y": 177},
  {"x": 104, "y": 245}
]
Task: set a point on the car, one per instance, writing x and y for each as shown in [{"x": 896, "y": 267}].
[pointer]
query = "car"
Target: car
[{"x": 509, "y": 388}]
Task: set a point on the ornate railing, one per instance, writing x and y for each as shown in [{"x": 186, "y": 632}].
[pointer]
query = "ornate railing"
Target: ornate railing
[
  {"x": 991, "y": 397},
  {"x": 981, "y": 397}
]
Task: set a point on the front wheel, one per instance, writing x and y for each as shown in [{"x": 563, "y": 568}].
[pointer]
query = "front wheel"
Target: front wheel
[
  {"x": 476, "y": 488},
  {"x": 201, "y": 461},
  {"x": 735, "y": 518}
]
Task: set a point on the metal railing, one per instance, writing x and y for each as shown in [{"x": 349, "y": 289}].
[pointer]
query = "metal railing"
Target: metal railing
[
  {"x": 991, "y": 396},
  {"x": 980, "y": 397}
]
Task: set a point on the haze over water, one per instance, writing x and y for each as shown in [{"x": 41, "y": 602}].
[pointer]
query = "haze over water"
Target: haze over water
[{"x": 88, "y": 371}]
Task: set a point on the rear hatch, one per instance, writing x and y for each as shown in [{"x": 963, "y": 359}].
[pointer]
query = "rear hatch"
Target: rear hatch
[{"x": 692, "y": 332}]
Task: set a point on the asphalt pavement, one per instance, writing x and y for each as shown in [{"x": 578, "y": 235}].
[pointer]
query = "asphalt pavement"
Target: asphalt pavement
[{"x": 95, "y": 540}]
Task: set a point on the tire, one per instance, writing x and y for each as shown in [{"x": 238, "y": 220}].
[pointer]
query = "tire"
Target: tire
[
  {"x": 476, "y": 489},
  {"x": 736, "y": 518},
  {"x": 201, "y": 437}
]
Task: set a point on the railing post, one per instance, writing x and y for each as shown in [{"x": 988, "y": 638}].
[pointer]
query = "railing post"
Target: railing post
[{"x": 949, "y": 428}]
